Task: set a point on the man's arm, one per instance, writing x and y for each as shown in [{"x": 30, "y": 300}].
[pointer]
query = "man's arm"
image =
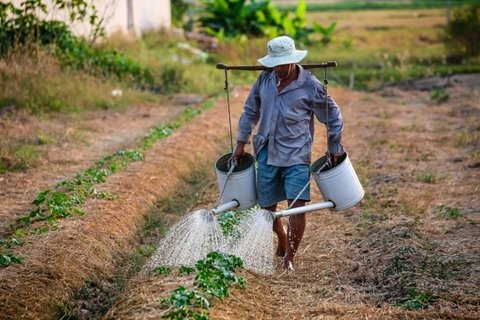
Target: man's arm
[{"x": 239, "y": 151}]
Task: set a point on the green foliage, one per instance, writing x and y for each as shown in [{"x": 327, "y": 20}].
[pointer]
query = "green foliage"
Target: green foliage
[
  {"x": 377, "y": 5},
  {"x": 427, "y": 176},
  {"x": 235, "y": 18},
  {"x": 449, "y": 212},
  {"x": 179, "y": 8},
  {"x": 188, "y": 305},
  {"x": 214, "y": 275},
  {"x": 7, "y": 259},
  {"x": 9, "y": 243},
  {"x": 22, "y": 25},
  {"x": 172, "y": 78},
  {"x": 417, "y": 300},
  {"x": 66, "y": 199},
  {"x": 164, "y": 130},
  {"x": 162, "y": 270},
  {"x": 463, "y": 32},
  {"x": 68, "y": 196},
  {"x": 228, "y": 220},
  {"x": 45, "y": 139},
  {"x": 186, "y": 270},
  {"x": 439, "y": 95},
  {"x": 326, "y": 32}
]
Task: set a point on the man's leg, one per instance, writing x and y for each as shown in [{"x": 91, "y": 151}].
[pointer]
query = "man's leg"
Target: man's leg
[
  {"x": 280, "y": 231},
  {"x": 296, "y": 228}
]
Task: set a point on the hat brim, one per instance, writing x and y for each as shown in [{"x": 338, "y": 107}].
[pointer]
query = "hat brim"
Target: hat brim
[{"x": 295, "y": 57}]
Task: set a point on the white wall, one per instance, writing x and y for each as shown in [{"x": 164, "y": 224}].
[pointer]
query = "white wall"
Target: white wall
[{"x": 146, "y": 14}]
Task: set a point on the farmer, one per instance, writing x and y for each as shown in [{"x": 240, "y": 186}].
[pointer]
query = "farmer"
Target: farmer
[{"x": 282, "y": 102}]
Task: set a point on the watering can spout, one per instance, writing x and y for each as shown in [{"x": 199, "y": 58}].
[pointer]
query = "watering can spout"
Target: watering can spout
[
  {"x": 303, "y": 209},
  {"x": 225, "y": 207}
]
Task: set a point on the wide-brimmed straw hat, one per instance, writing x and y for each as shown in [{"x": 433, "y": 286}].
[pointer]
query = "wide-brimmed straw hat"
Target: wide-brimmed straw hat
[{"x": 281, "y": 50}]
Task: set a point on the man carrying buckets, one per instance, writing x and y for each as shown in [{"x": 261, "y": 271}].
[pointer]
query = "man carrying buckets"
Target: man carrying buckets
[{"x": 282, "y": 103}]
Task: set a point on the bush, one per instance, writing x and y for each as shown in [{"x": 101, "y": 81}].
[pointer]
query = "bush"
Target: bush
[
  {"x": 234, "y": 18},
  {"x": 463, "y": 32}
]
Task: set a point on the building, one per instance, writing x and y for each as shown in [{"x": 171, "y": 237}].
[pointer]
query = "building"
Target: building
[{"x": 127, "y": 16}]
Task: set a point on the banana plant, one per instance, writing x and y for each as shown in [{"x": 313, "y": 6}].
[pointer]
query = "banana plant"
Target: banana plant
[{"x": 326, "y": 32}]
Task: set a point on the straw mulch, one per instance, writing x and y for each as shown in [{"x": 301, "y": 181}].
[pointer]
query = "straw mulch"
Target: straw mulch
[
  {"x": 394, "y": 249},
  {"x": 359, "y": 264},
  {"x": 79, "y": 141},
  {"x": 59, "y": 263}
]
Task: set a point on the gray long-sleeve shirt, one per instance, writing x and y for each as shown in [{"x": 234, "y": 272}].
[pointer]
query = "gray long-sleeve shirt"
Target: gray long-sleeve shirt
[{"x": 285, "y": 120}]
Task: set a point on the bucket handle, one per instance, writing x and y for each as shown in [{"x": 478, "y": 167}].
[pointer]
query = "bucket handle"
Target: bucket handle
[{"x": 232, "y": 163}]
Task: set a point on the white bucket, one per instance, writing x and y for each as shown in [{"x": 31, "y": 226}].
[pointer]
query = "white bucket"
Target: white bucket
[
  {"x": 339, "y": 184},
  {"x": 240, "y": 185}
]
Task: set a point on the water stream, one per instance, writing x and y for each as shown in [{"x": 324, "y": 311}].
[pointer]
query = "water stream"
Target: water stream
[
  {"x": 252, "y": 241},
  {"x": 199, "y": 233},
  {"x": 188, "y": 241}
]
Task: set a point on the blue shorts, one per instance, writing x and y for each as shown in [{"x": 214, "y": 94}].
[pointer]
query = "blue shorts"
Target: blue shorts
[{"x": 275, "y": 184}]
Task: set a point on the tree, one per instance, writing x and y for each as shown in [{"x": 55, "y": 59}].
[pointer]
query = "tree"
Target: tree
[{"x": 463, "y": 32}]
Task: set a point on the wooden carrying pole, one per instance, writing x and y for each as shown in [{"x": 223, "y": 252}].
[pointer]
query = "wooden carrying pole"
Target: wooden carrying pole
[{"x": 328, "y": 64}]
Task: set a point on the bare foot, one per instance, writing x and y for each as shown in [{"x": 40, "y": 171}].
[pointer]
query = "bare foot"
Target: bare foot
[{"x": 287, "y": 264}]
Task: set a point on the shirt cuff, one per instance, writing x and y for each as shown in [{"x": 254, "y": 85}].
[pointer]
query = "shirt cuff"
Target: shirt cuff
[
  {"x": 243, "y": 136},
  {"x": 335, "y": 148}
]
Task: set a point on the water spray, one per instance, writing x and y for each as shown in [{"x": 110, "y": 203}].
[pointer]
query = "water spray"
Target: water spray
[{"x": 199, "y": 232}]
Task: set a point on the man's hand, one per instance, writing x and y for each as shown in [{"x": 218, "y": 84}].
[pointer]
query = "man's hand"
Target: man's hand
[
  {"x": 337, "y": 158},
  {"x": 239, "y": 151}
]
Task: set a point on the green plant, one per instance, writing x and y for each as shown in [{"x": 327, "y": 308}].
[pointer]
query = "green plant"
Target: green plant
[
  {"x": 439, "y": 95},
  {"x": 10, "y": 243},
  {"x": 417, "y": 300},
  {"x": 162, "y": 270},
  {"x": 186, "y": 270},
  {"x": 172, "y": 78},
  {"x": 26, "y": 155},
  {"x": 22, "y": 25},
  {"x": 187, "y": 305},
  {"x": 214, "y": 275},
  {"x": 401, "y": 262},
  {"x": 67, "y": 197},
  {"x": 235, "y": 18},
  {"x": 449, "y": 212},
  {"x": 427, "y": 176},
  {"x": 228, "y": 220},
  {"x": 179, "y": 8},
  {"x": 462, "y": 33},
  {"x": 7, "y": 259},
  {"x": 326, "y": 32},
  {"x": 45, "y": 139}
]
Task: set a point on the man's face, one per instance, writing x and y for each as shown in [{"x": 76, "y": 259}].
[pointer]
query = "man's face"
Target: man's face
[{"x": 282, "y": 71}]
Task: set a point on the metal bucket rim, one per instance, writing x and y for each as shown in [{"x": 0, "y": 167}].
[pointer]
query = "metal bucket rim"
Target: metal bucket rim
[
  {"x": 337, "y": 169},
  {"x": 222, "y": 163}
]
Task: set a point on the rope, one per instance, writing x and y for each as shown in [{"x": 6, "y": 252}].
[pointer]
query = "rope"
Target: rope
[
  {"x": 228, "y": 106},
  {"x": 325, "y": 87},
  {"x": 232, "y": 164}
]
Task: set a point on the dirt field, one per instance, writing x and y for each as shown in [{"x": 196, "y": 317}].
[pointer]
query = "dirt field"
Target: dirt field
[{"x": 413, "y": 239}]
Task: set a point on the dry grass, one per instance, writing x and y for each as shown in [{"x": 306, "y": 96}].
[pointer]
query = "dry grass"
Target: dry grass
[
  {"x": 391, "y": 253},
  {"x": 85, "y": 249},
  {"x": 393, "y": 249}
]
